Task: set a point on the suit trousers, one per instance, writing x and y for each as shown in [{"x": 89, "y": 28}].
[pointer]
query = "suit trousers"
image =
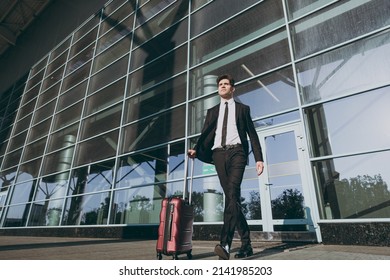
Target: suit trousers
[{"x": 230, "y": 165}]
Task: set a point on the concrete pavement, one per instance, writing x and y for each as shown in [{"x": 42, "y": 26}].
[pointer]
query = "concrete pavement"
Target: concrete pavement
[{"x": 65, "y": 248}]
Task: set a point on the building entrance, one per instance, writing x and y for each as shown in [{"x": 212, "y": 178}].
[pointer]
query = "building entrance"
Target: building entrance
[{"x": 285, "y": 197}]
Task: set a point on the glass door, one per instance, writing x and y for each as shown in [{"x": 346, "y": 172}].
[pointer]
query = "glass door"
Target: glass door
[{"x": 284, "y": 194}]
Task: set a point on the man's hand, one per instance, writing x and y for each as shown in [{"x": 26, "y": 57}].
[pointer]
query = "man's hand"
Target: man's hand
[
  {"x": 191, "y": 153},
  {"x": 259, "y": 167}
]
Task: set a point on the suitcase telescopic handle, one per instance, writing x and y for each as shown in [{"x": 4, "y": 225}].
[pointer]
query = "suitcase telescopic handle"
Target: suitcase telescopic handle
[{"x": 189, "y": 188}]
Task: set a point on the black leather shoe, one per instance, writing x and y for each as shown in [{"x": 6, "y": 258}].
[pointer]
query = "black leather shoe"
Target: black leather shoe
[
  {"x": 221, "y": 252},
  {"x": 244, "y": 252}
]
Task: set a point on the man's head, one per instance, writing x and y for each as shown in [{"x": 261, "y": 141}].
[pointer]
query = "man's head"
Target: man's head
[{"x": 225, "y": 85}]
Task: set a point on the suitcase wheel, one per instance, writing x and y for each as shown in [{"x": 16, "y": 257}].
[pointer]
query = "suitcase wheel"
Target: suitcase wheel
[{"x": 159, "y": 256}]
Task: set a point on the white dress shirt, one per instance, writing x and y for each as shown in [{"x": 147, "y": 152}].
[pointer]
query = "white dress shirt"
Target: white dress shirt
[{"x": 232, "y": 136}]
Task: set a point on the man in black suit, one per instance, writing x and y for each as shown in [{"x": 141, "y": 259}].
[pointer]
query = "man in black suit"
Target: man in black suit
[{"x": 223, "y": 142}]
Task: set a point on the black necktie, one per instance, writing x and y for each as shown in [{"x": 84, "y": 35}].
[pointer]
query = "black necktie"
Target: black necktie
[{"x": 224, "y": 125}]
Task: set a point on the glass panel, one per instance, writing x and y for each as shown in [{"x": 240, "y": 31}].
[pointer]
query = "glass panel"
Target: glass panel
[
  {"x": 72, "y": 96},
  {"x": 197, "y": 3},
  {"x": 152, "y": 101},
  {"x": 87, "y": 210},
  {"x": 34, "y": 150},
  {"x": 52, "y": 187},
  {"x": 278, "y": 119},
  {"x": 60, "y": 61},
  {"x": 105, "y": 97},
  {"x": 356, "y": 67},
  {"x": 7, "y": 178},
  {"x": 237, "y": 31},
  {"x": 22, "y": 125},
  {"x": 106, "y": 145},
  {"x": 61, "y": 160},
  {"x": 266, "y": 95},
  {"x": 80, "y": 59},
  {"x": 16, "y": 216},
  {"x": 88, "y": 31},
  {"x": 97, "y": 177},
  {"x": 296, "y": 8},
  {"x": 101, "y": 122},
  {"x": 46, "y": 213},
  {"x": 158, "y": 71},
  {"x": 112, "y": 54},
  {"x": 201, "y": 20},
  {"x": 60, "y": 49},
  {"x": 153, "y": 7},
  {"x": 30, "y": 95},
  {"x": 35, "y": 80},
  {"x": 12, "y": 159},
  {"x": 136, "y": 206},
  {"x": 361, "y": 192},
  {"x": 53, "y": 78},
  {"x": 44, "y": 112},
  {"x": 67, "y": 116},
  {"x": 284, "y": 177},
  {"x": 22, "y": 192},
  {"x": 109, "y": 74},
  {"x": 121, "y": 30},
  {"x": 261, "y": 55},
  {"x": 351, "y": 19},
  {"x": 37, "y": 67},
  {"x": 27, "y": 109},
  {"x": 17, "y": 141},
  {"x": 63, "y": 138},
  {"x": 269, "y": 94},
  {"x": 76, "y": 77},
  {"x": 29, "y": 170},
  {"x": 48, "y": 95},
  {"x": 113, "y": 5},
  {"x": 151, "y": 166},
  {"x": 155, "y": 130},
  {"x": 159, "y": 45},
  {"x": 346, "y": 125}
]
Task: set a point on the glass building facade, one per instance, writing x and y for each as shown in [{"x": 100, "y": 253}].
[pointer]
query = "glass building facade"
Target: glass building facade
[{"x": 97, "y": 134}]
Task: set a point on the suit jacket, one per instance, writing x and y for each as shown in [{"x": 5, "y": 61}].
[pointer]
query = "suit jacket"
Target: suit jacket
[{"x": 244, "y": 126}]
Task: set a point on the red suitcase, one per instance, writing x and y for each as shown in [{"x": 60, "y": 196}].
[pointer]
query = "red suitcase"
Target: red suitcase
[{"x": 176, "y": 226}]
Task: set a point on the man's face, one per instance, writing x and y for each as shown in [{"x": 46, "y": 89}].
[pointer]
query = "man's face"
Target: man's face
[{"x": 225, "y": 89}]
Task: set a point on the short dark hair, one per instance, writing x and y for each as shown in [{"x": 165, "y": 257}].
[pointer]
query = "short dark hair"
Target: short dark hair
[{"x": 226, "y": 76}]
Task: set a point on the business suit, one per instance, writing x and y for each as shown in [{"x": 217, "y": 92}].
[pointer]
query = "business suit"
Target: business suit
[{"x": 230, "y": 165}]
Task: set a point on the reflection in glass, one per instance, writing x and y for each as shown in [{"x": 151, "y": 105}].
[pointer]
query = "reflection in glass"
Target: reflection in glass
[
  {"x": 105, "y": 97},
  {"x": 87, "y": 209},
  {"x": 361, "y": 192},
  {"x": 338, "y": 23},
  {"x": 156, "y": 99},
  {"x": 106, "y": 144},
  {"x": 16, "y": 216},
  {"x": 146, "y": 168},
  {"x": 240, "y": 30},
  {"x": 351, "y": 124},
  {"x": 112, "y": 54},
  {"x": 296, "y": 8},
  {"x": 108, "y": 75},
  {"x": 159, "y": 45},
  {"x": 356, "y": 67},
  {"x": 136, "y": 206},
  {"x": 284, "y": 178},
  {"x": 23, "y": 192},
  {"x": 46, "y": 213},
  {"x": 101, "y": 122},
  {"x": 247, "y": 61},
  {"x": 155, "y": 130},
  {"x": 201, "y": 20},
  {"x": 158, "y": 71}
]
